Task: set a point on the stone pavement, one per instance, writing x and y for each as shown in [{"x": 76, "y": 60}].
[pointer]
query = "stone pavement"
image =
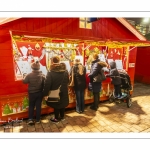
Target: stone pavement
[{"x": 110, "y": 117}]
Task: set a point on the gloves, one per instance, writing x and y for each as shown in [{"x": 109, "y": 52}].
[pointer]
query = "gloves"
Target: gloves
[{"x": 24, "y": 75}]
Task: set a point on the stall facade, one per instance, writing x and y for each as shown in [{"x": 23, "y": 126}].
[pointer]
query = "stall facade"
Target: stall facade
[
  {"x": 142, "y": 71},
  {"x": 25, "y": 40}
]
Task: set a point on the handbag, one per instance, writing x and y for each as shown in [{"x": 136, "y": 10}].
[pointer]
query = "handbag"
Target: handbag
[
  {"x": 54, "y": 95},
  {"x": 71, "y": 84},
  {"x": 100, "y": 77}
]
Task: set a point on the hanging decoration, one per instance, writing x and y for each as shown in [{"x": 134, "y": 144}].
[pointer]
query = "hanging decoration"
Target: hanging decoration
[
  {"x": 31, "y": 48},
  {"x": 37, "y": 47},
  {"x": 71, "y": 44}
]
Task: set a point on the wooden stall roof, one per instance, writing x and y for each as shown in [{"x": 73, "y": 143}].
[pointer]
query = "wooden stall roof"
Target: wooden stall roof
[
  {"x": 6, "y": 20},
  {"x": 131, "y": 28},
  {"x": 121, "y": 20},
  {"x": 99, "y": 41}
]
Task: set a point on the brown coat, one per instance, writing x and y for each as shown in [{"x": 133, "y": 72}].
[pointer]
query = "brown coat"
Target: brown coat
[{"x": 35, "y": 81}]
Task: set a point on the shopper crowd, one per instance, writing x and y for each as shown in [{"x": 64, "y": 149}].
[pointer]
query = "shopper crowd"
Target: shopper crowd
[{"x": 58, "y": 77}]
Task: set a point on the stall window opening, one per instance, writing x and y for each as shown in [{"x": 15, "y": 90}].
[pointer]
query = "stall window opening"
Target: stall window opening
[{"x": 83, "y": 23}]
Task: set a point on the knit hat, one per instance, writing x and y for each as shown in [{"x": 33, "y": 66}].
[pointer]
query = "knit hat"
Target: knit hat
[
  {"x": 56, "y": 59},
  {"x": 35, "y": 65}
]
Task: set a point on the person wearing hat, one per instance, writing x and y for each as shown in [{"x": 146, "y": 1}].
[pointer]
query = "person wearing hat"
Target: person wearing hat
[
  {"x": 58, "y": 75},
  {"x": 35, "y": 81}
]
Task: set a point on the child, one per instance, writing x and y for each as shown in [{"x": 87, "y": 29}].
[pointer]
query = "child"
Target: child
[
  {"x": 116, "y": 80},
  {"x": 35, "y": 81}
]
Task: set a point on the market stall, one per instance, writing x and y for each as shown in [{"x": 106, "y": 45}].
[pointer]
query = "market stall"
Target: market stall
[{"x": 42, "y": 39}]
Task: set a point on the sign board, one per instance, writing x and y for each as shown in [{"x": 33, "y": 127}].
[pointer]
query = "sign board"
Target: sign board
[
  {"x": 131, "y": 65},
  {"x": 119, "y": 64},
  {"x": 109, "y": 60}
]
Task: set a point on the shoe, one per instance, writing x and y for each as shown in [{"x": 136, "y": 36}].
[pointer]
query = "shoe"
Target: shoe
[
  {"x": 38, "y": 121},
  {"x": 120, "y": 97},
  {"x": 78, "y": 112},
  {"x": 93, "y": 108},
  {"x": 118, "y": 101},
  {"x": 30, "y": 122},
  {"x": 54, "y": 120},
  {"x": 62, "y": 118}
]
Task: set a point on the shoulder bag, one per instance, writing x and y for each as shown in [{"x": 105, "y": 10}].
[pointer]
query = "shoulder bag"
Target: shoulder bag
[
  {"x": 100, "y": 77},
  {"x": 54, "y": 95}
]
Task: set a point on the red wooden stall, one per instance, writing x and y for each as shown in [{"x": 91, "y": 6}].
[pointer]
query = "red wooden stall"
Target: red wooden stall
[
  {"x": 142, "y": 71},
  {"x": 115, "y": 38}
]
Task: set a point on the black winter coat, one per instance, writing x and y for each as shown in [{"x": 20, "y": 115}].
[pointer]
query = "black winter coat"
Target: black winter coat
[
  {"x": 54, "y": 78},
  {"x": 79, "y": 80},
  {"x": 114, "y": 74},
  {"x": 96, "y": 66}
]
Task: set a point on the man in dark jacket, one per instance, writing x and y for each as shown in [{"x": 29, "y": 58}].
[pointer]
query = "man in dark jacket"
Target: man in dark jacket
[
  {"x": 57, "y": 76},
  {"x": 116, "y": 80},
  {"x": 95, "y": 87},
  {"x": 35, "y": 81},
  {"x": 79, "y": 72}
]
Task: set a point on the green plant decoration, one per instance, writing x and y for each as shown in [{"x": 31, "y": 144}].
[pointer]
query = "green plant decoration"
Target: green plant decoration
[
  {"x": 25, "y": 102},
  {"x": 7, "y": 109}
]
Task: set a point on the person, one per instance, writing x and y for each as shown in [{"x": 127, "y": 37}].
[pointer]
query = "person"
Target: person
[
  {"x": 35, "y": 81},
  {"x": 79, "y": 72},
  {"x": 95, "y": 87},
  {"x": 57, "y": 76},
  {"x": 116, "y": 80},
  {"x": 63, "y": 66}
]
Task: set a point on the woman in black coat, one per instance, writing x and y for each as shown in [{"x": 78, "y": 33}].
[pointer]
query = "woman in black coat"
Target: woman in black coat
[
  {"x": 57, "y": 76},
  {"x": 95, "y": 87},
  {"x": 79, "y": 72}
]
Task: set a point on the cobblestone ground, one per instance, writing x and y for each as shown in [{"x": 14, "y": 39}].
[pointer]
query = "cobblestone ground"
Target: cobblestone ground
[{"x": 109, "y": 118}]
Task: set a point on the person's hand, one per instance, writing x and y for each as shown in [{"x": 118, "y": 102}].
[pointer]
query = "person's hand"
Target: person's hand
[
  {"x": 24, "y": 75},
  {"x": 46, "y": 98}
]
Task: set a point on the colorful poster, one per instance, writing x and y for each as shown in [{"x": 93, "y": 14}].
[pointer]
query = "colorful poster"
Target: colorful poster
[{"x": 119, "y": 64}]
